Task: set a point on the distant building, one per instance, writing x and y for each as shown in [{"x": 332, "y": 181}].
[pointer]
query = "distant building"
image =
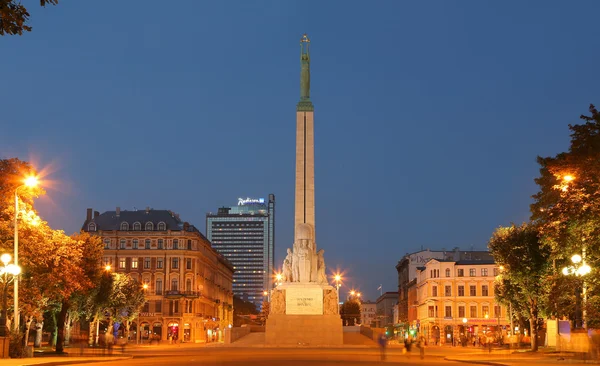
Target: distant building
[
  {"x": 407, "y": 271},
  {"x": 385, "y": 309},
  {"x": 456, "y": 300},
  {"x": 189, "y": 295},
  {"x": 368, "y": 313},
  {"x": 245, "y": 235}
]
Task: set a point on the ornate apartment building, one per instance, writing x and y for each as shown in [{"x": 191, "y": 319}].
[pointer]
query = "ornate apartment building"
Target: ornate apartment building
[
  {"x": 455, "y": 301},
  {"x": 189, "y": 285}
]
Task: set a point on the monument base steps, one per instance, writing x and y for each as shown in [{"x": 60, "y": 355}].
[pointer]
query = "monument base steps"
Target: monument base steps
[{"x": 305, "y": 330}]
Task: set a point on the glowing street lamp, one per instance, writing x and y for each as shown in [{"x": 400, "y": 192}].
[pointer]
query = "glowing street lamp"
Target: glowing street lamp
[
  {"x": 29, "y": 182},
  {"x": 8, "y": 273},
  {"x": 278, "y": 277},
  {"x": 578, "y": 269},
  {"x": 338, "y": 279}
]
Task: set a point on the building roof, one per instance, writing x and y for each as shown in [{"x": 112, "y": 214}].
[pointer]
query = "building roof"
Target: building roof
[
  {"x": 472, "y": 262},
  {"x": 110, "y": 220}
]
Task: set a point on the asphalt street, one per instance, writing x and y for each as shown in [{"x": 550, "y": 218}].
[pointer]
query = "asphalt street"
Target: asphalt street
[{"x": 272, "y": 357}]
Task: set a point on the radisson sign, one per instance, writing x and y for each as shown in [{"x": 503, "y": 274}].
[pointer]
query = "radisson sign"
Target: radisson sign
[{"x": 250, "y": 201}]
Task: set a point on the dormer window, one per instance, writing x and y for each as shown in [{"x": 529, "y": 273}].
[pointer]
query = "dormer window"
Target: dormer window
[
  {"x": 124, "y": 226},
  {"x": 149, "y": 226},
  {"x": 92, "y": 227},
  {"x": 137, "y": 226},
  {"x": 162, "y": 226}
]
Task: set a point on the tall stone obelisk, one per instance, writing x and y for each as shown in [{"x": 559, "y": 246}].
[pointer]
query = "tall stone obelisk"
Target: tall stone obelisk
[
  {"x": 304, "y": 307},
  {"x": 305, "y": 147}
]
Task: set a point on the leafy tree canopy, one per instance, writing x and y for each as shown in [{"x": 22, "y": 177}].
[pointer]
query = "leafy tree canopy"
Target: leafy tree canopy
[{"x": 14, "y": 16}]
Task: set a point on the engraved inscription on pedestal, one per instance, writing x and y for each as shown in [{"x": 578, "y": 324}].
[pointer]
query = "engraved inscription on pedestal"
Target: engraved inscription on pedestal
[{"x": 304, "y": 301}]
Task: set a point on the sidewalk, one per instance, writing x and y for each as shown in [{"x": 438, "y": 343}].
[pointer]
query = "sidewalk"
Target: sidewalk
[{"x": 510, "y": 358}]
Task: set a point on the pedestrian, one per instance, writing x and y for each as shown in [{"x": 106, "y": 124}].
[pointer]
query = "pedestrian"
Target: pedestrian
[
  {"x": 421, "y": 346},
  {"x": 110, "y": 341},
  {"x": 382, "y": 345}
]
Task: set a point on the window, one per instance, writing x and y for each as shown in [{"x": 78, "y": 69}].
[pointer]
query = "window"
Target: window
[
  {"x": 473, "y": 311},
  {"x": 134, "y": 263},
  {"x": 484, "y": 290},
  {"x": 434, "y": 291},
  {"x": 447, "y": 272},
  {"x": 484, "y": 272},
  {"x": 122, "y": 263},
  {"x": 461, "y": 311},
  {"x": 460, "y": 272},
  {"x": 158, "y": 306},
  {"x": 146, "y": 263},
  {"x": 461, "y": 290},
  {"x": 159, "y": 287},
  {"x": 431, "y": 312},
  {"x": 175, "y": 244},
  {"x": 188, "y": 285},
  {"x": 188, "y": 263},
  {"x": 147, "y": 244},
  {"x": 135, "y": 243},
  {"x": 189, "y": 244},
  {"x": 124, "y": 226},
  {"x": 497, "y": 311},
  {"x": 472, "y": 272},
  {"x": 149, "y": 226},
  {"x": 496, "y": 272},
  {"x": 92, "y": 227},
  {"x": 159, "y": 263},
  {"x": 472, "y": 290},
  {"x": 122, "y": 244},
  {"x": 447, "y": 290},
  {"x": 162, "y": 226},
  {"x": 175, "y": 263},
  {"x": 160, "y": 243},
  {"x": 174, "y": 284},
  {"x": 106, "y": 243},
  {"x": 137, "y": 226},
  {"x": 448, "y": 312},
  {"x": 486, "y": 310}
]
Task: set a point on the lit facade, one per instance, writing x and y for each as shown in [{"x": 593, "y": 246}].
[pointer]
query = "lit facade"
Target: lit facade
[
  {"x": 245, "y": 235},
  {"x": 407, "y": 272},
  {"x": 368, "y": 313},
  {"x": 456, "y": 301},
  {"x": 189, "y": 294},
  {"x": 385, "y": 309}
]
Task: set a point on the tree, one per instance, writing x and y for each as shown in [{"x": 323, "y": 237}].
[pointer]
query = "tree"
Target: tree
[
  {"x": 350, "y": 312},
  {"x": 14, "y": 16},
  {"x": 54, "y": 265},
  {"x": 519, "y": 251},
  {"x": 567, "y": 211},
  {"x": 125, "y": 300}
]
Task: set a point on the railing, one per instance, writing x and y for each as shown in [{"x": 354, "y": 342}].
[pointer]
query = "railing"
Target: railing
[
  {"x": 191, "y": 294},
  {"x": 173, "y": 294}
]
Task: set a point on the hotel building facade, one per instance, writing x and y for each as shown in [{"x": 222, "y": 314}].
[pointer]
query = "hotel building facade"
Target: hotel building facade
[
  {"x": 245, "y": 235},
  {"x": 189, "y": 284}
]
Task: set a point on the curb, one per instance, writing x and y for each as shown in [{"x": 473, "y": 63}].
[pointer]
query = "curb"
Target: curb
[{"x": 477, "y": 362}]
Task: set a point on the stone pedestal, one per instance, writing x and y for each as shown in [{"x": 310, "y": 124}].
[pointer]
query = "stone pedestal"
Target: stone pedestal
[
  {"x": 304, "y": 314},
  {"x": 304, "y": 330}
]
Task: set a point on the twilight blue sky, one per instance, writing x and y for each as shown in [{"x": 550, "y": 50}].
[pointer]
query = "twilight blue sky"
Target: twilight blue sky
[{"x": 429, "y": 114}]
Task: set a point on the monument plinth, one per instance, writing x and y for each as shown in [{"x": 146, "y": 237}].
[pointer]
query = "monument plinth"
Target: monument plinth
[{"x": 304, "y": 307}]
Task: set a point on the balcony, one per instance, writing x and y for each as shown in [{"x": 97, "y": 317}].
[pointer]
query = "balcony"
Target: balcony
[
  {"x": 191, "y": 294},
  {"x": 173, "y": 294}
]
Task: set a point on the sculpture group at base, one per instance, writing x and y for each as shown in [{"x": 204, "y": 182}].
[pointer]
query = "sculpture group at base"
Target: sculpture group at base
[{"x": 304, "y": 263}]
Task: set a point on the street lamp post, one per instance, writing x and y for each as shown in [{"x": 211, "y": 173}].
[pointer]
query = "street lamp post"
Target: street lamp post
[
  {"x": 579, "y": 269},
  {"x": 29, "y": 182},
  {"x": 8, "y": 272}
]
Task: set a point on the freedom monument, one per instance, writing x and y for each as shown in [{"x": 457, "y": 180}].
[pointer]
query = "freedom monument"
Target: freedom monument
[{"x": 304, "y": 307}]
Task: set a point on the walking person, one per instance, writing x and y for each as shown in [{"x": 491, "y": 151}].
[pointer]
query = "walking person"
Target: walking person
[
  {"x": 382, "y": 345},
  {"x": 421, "y": 345}
]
